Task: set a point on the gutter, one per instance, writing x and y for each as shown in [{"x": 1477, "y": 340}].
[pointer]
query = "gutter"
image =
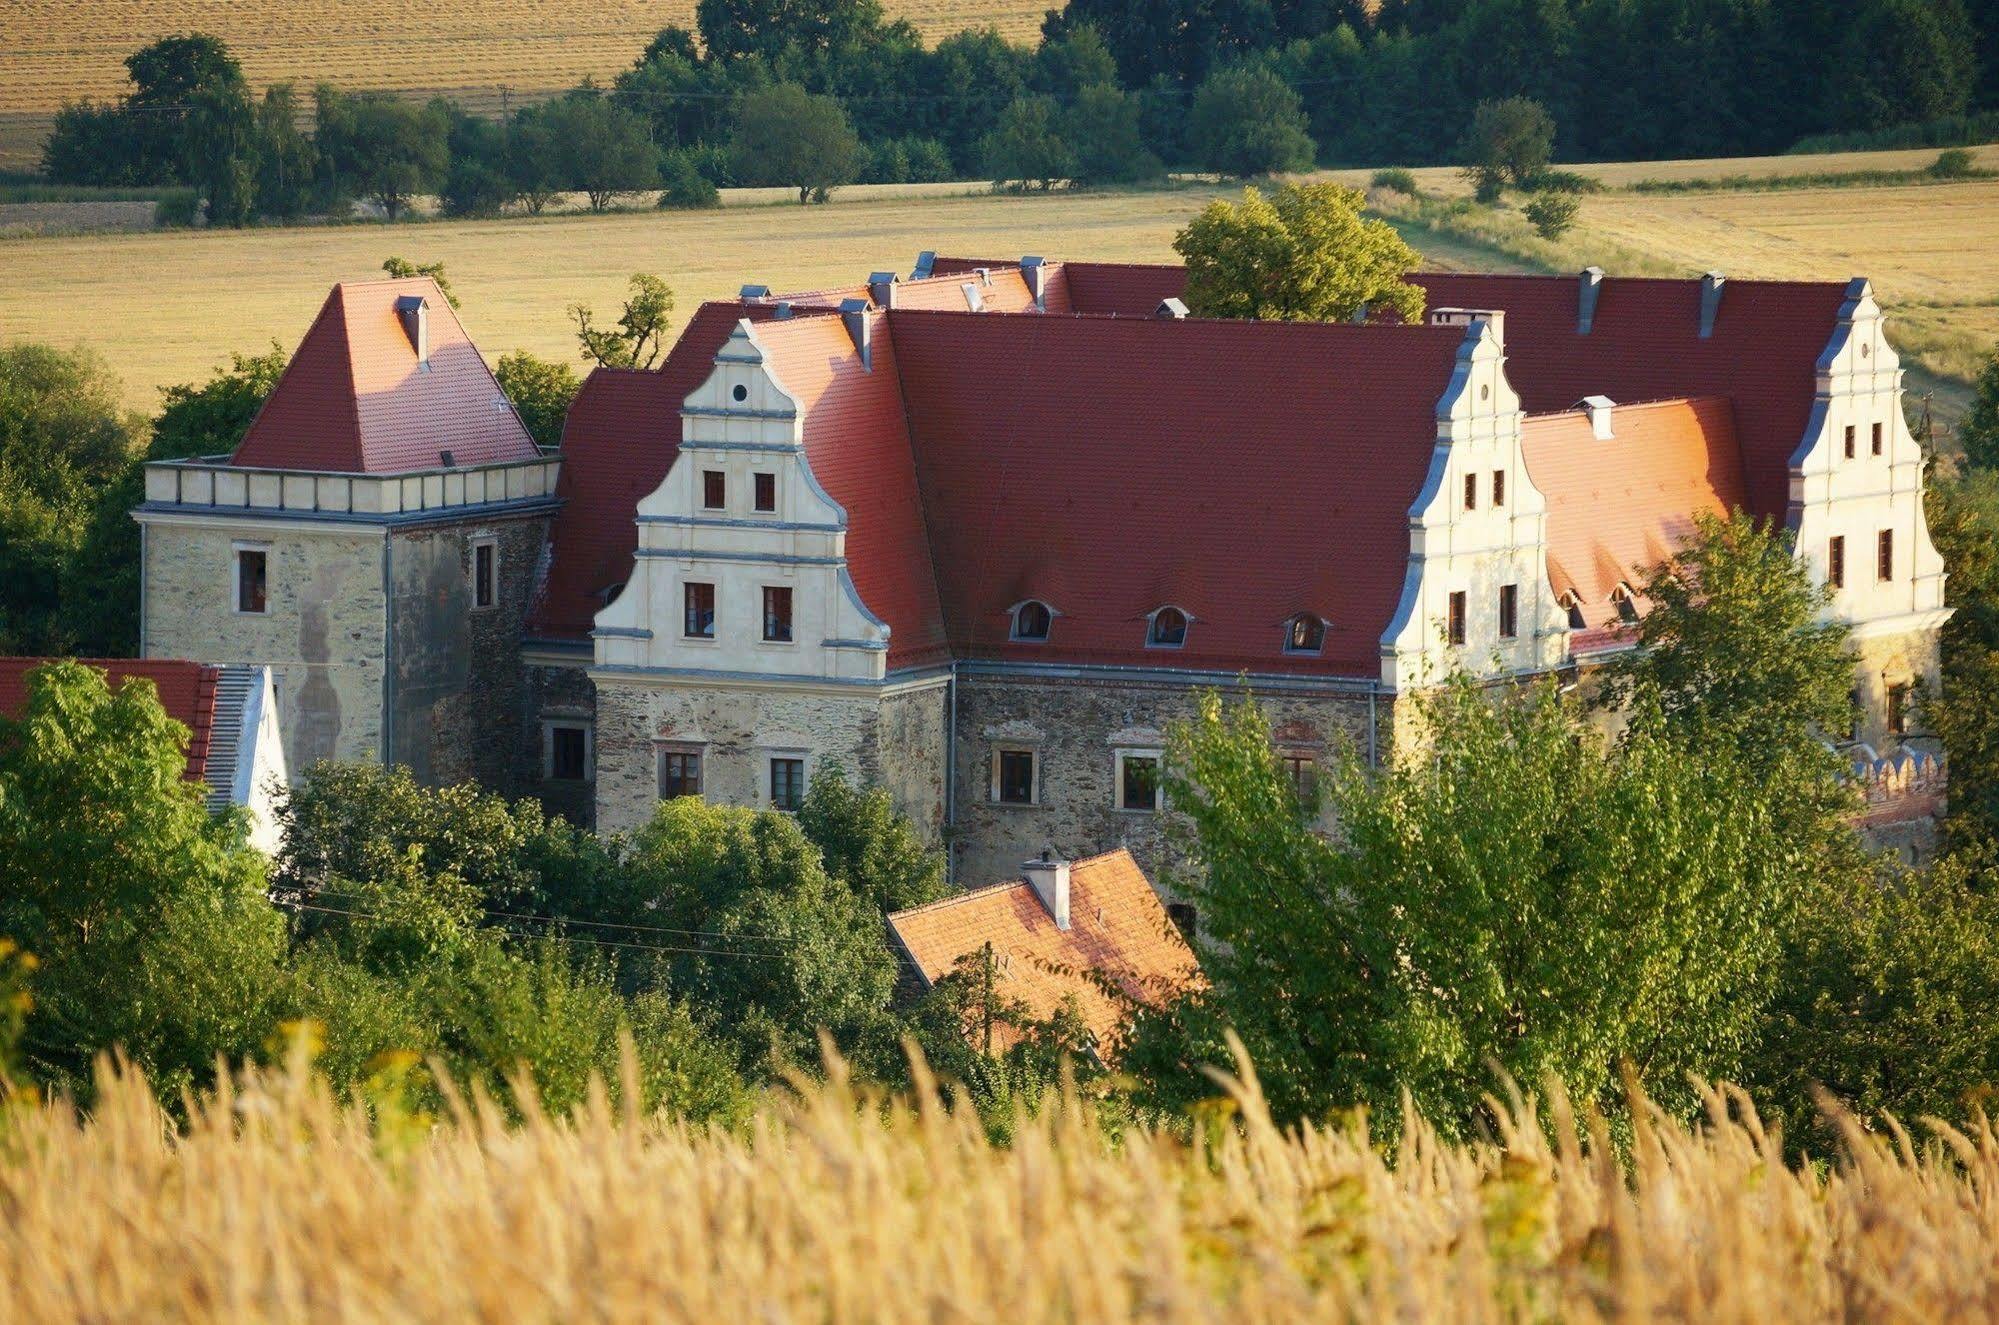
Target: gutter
[{"x": 951, "y": 778}]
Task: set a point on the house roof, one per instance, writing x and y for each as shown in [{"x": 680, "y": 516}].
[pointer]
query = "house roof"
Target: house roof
[
  {"x": 186, "y": 691},
  {"x": 1117, "y": 929},
  {"x": 1618, "y": 506},
  {"x": 355, "y": 398}
]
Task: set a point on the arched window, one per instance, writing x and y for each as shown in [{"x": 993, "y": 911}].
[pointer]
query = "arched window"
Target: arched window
[
  {"x": 1306, "y": 633},
  {"x": 1169, "y": 629},
  {"x": 1031, "y": 620},
  {"x": 1626, "y": 602}
]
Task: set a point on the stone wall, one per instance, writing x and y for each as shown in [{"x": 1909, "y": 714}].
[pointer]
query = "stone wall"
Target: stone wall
[
  {"x": 1076, "y": 728},
  {"x": 323, "y": 637},
  {"x": 555, "y": 691},
  {"x": 910, "y": 743}
]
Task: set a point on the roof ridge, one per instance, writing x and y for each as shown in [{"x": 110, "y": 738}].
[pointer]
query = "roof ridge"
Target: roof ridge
[
  {"x": 1653, "y": 402},
  {"x": 1457, "y": 332},
  {"x": 964, "y": 895}
]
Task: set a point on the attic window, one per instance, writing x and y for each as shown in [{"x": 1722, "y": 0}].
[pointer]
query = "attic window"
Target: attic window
[
  {"x": 1626, "y": 601},
  {"x": 1572, "y": 603},
  {"x": 739, "y": 392},
  {"x": 1031, "y": 621},
  {"x": 1168, "y": 630},
  {"x": 1305, "y": 634}
]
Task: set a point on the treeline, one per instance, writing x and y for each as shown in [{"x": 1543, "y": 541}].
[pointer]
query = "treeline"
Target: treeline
[{"x": 811, "y": 97}]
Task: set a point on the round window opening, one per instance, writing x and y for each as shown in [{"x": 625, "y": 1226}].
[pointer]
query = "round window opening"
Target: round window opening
[{"x": 741, "y": 392}]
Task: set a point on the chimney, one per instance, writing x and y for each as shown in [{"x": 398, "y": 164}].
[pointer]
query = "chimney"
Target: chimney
[
  {"x": 413, "y": 311},
  {"x": 1495, "y": 319},
  {"x": 1592, "y": 286},
  {"x": 926, "y": 261},
  {"x": 783, "y": 313},
  {"x": 1170, "y": 309},
  {"x": 1599, "y": 410},
  {"x": 754, "y": 292},
  {"x": 1049, "y": 877},
  {"x": 854, "y": 312},
  {"x": 881, "y": 288},
  {"x": 1710, "y": 301},
  {"x": 1035, "y": 272}
]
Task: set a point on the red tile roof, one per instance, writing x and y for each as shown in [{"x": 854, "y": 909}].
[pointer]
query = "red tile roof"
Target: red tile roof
[
  {"x": 186, "y": 690},
  {"x": 1117, "y": 929},
  {"x": 355, "y": 399},
  {"x": 1619, "y": 506}
]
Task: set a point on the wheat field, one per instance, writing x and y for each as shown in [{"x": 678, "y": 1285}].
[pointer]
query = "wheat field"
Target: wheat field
[{"x": 277, "y": 1203}]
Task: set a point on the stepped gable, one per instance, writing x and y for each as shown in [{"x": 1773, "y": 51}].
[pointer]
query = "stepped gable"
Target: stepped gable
[
  {"x": 377, "y": 387},
  {"x": 186, "y": 690}
]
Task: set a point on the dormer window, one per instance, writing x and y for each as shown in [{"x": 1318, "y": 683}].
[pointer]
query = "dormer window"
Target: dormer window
[
  {"x": 1625, "y": 601},
  {"x": 1306, "y": 633},
  {"x": 1031, "y": 621},
  {"x": 1168, "y": 629},
  {"x": 1572, "y": 603}
]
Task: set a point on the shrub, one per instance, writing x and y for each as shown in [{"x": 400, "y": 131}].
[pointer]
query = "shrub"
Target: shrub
[
  {"x": 1552, "y": 213},
  {"x": 176, "y": 208},
  {"x": 1398, "y": 180},
  {"x": 1953, "y": 163},
  {"x": 1561, "y": 181},
  {"x": 1246, "y": 121},
  {"x": 683, "y": 184}
]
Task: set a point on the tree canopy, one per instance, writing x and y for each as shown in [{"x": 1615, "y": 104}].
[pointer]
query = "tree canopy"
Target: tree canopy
[
  {"x": 790, "y": 137},
  {"x": 1305, "y": 254}
]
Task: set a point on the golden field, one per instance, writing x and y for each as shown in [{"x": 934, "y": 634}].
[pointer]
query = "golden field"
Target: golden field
[{"x": 277, "y": 1203}]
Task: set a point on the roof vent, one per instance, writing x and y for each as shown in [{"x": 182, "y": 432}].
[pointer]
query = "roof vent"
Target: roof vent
[
  {"x": 1035, "y": 272},
  {"x": 973, "y": 299},
  {"x": 413, "y": 311},
  {"x": 1591, "y": 286},
  {"x": 1049, "y": 877},
  {"x": 446, "y": 459},
  {"x": 1172, "y": 309},
  {"x": 1710, "y": 301},
  {"x": 1599, "y": 410},
  {"x": 985, "y": 275},
  {"x": 925, "y": 262},
  {"x": 854, "y": 312},
  {"x": 783, "y": 313},
  {"x": 881, "y": 288},
  {"x": 754, "y": 292}
]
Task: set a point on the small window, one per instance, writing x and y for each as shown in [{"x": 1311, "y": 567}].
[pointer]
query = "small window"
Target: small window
[
  {"x": 1626, "y": 603},
  {"x": 251, "y": 584},
  {"x": 1014, "y": 782},
  {"x": 1169, "y": 629},
  {"x": 1184, "y": 918},
  {"x": 1849, "y": 441},
  {"x": 1898, "y": 709},
  {"x": 700, "y": 604},
  {"x": 1301, "y": 767},
  {"x": 1031, "y": 621},
  {"x": 714, "y": 489},
  {"x": 787, "y": 783},
  {"x": 739, "y": 392},
  {"x": 1471, "y": 492},
  {"x": 1138, "y": 782},
  {"x": 1875, "y": 444},
  {"x": 1499, "y": 487},
  {"x": 766, "y": 492},
  {"x": 1457, "y": 619},
  {"x": 1835, "y": 561},
  {"x": 1572, "y": 603},
  {"x": 485, "y": 573},
  {"x": 1884, "y": 556},
  {"x": 777, "y": 615},
  {"x": 1306, "y": 634},
  {"x": 1509, "y": 611},
  {"x": 1856, "y": 708},
  {"x": 568, "y": 752},
  {"x": 679, "y": 774}
]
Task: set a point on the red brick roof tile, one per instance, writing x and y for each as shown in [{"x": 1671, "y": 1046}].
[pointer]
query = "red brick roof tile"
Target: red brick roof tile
[{"x": 186, "y": 690}]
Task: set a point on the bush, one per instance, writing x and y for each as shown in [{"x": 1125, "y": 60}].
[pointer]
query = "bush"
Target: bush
[
  {"x": 1561, "y": 181},
  {"x": 176, "y": 208},
  {"x": 1552, "y": 213},
  {"x": 1398, "y": 180},
  {"x": 1246, "y": 121},
  {"x": 683, "y": 184},
  {"x": 1955, "y": 163}
]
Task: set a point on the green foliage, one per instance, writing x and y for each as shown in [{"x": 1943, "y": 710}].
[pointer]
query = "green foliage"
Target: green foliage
[
  {"x": 683, "y": 185},
  {"x": 63, "y": 441},
  {"x": 601, "y": 149},
  {"x": 380, "y": 146},
  {"x": 480, "y": 179},
  {"x": 767, "y": 29},
  {"x": 1553, "y": 214},
  {"x": 1304, "y": 255},
  {"x": 1026, "y": 147},
  {"x": 1978, "y": 432},
  {"x": 541, "y": 392},
  {"x": 17, "y": 1000},
  {"x": 220, "y": 148},
  {"x": 1964, "y": 713},
  {"x": 1510, "y": 142},
  {"x": 286, "y": 158},
  {"x": 639, "y": 337},
  {"x": 787, "y": 136},
  {"x": 1947, "y": 131},
  {"x": 1105, "y": 134},
  {"x": 1246, "y": 121},
  {"x": 866, "y": 845},
  {"x": 403, "y": 269},
  {"x": 1954, "y": 163},
  {"x": 1399, "y": 180}
]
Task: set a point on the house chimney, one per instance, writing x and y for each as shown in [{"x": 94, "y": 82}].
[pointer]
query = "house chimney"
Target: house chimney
[
  {"x": 1710, "y": 301},
  {"x": 926, "y": 261},
  {"x": 1495, "y": 319},
  {"x": 1599, "y": 410},
  {"x": 854, "y": 312},
  {"x": 413, "y": 310},
  {"x": 881, "y": 287},
  {"x": 1170, "y": 309},
  {"x": 783, "y": 313},
  {"x": 1035, "y": 272},
  {"x": 1049, "y": 877},
  {"x": 1592, "y": 286}
]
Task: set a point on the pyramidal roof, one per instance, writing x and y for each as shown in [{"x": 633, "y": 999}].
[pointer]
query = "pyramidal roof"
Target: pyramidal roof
[{"x": 386, "y": 381}]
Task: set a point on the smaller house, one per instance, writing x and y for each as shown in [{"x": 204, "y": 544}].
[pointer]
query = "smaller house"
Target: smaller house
[
  {"x": 1066, "y": 929},
  {"x": 231, "y": 715}
]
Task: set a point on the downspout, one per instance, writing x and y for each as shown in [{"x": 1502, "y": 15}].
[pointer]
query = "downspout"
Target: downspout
[
  {"x": 951, "y": 779},
  {"x": 388, "y": 653}
]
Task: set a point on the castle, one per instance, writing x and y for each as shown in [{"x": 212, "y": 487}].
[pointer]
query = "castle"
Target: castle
[{"x": 982, "y": 533}]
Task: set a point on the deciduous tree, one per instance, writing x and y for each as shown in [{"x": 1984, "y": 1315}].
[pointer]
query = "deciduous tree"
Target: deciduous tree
[
  {"x": 1305, "y": 254},
  {"x": 1245, "y": 121},
  {"x": 790, "y": 137},
  {"x": 639, "y": 337},
  {"x": 540, "y": 390},
  {"x": 1510, "y": 142}
]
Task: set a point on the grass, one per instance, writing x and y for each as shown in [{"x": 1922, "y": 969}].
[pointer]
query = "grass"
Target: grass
[
  {"x": 1950, "y": 131},
  {"x": 277, "y": 1202}
]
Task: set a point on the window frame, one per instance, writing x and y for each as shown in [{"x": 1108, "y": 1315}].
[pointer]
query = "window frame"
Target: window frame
[
  {"x": 1124, "y": 756},
  {"x": 1014, "y": 632},
  {"x": 1852, "y": 433},
  {"x": 1876, "y": 441},
  {"x": 1509, "y": 611},
  {"x": 1884, "y": 557},
  {"x": 773, "y": 758},
  {"x": 664, "y": 750},
  {"x": 759, "y": 481},
  {"x": 1152, "y": 620},
  {"x": 1457, "y": 627},
  {"x": 491, "y": 582},
  {"x": 711, "y": 480},
  {"x": 549, "y": 726},
  {"x": 1318, "y": 644},
  {"x": 997, "y": 793},
  {"x": 790, "y": 635},
  {"x": 687, "y": 610},
  {"x": 1471, "y": 491},
  {"x": 1498, "y": 488},
  {"x": 1294, "y": 760},
  {"x": 1895, "y": 697},
  {"x": 1835, "y": 561},
  {"x": 237, "y": 549}
]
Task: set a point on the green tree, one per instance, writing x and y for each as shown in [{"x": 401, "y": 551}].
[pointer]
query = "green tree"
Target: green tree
[
  {"x": 173, "y": 78},
  {"x": 286, "y": 157},
  {"x": 1067, "y": 64},
  {"x": 639, "y": 337},
  {"x": 1553, "y": 214},
  {"x": 1245, "y": 121},
  {"x": 867, "y": 845},
  {"x": 606, "y": 151},
  {"x": 1510, "y": 142},
  {"x": 147, "y": 913},
  {"x": 1026, "y": 147},
  {"x": 379, "y": 146},
  {"x": 787, "y": 136},
  {"x": 63, "y": 440},
  {"x": 402, "y": 269},
  {"x": 479, "y": 181},
  {"x": 1978, "y": 432},
  {"x": 1104, "y": 131},
  {"x": 764, "y": 30},
  {"x": 220, "y": 150},
  {"x": 1964, "y": 713},
  {"x": 1305, "y": 254},
  {"x": 541, "y": 392}
]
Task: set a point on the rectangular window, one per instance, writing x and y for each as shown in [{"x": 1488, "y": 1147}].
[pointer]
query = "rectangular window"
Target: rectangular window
[
  {"x": 1875, "y": 444},
  {"x": 1499, "y": 487},
  {"x": 777, "y": 615},
  {"x": 1835, "y": 561},
  {"x": 679, "y": 774},
  {"x": 1457, "y": 622},
  {"x": 485, "y": 573},
  {"x": 700, "y": 603},
  {"x": 251, "y": 563},
  {"x": 568, "y": 752},
  {"x": 1898, "y": 709},
  {"x": 766, "y": 493},
  {"x": 1509, "y": 611},
  {"x": 1303, "y": 771},
  {"x": 1884, "y": 556},
  {"x": 714, "y": 489},
  {"x": 1014, "y": 780},
  {"x": 1471, "y": 492},
  {"x": 787, "y": 783},
  {"x": 1138, "y": 782},
  {"x": 1849, "y": 441}
]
